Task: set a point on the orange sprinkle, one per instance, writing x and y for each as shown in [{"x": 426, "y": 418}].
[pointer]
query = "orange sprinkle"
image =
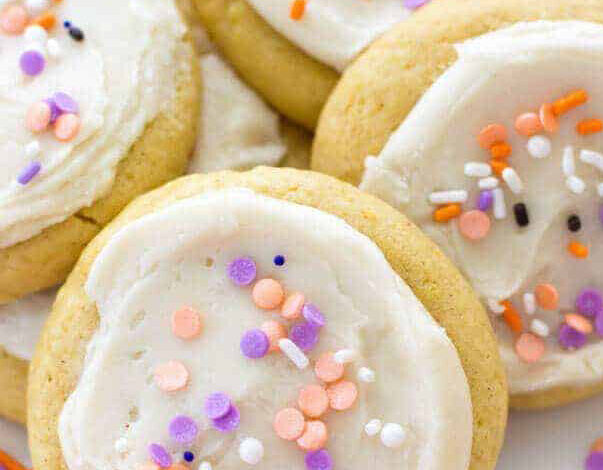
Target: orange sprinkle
[
  {"x": 578, "y": 249},
  {"x": 589, "y": 126},
  {"x": 548, "y": 118},
  {"x": 511, "y": 317},
  {"x": 327, "y": 370},
  {"x": 492, "y": 134},
  {"x": 186, "y": 323},
  {"x": 292, "y": 306},
  {"x": 178, "y": 466},
  {"x": 267, "y": 294},
  {"x": 67, "y": 127},
  {"x": 500, "y": 151},
  {"x": 342, "y": 395},
  {"x": 474, "y": 225},
  {"x": 313, "y": 401},
  {"x": 148, "y": 466},
  {"x": 275, "y": 332},
  {"x": 447, "y": 212},
  {"x": 547, "y": 296},
  {"x": 597, "y": 446},
  {"x": 171, "y": 376},
  {"x": 529, "y": 347},
  {"x": 314, "y": 437},
  {"x": 528, "y": 124},
  {"x": 13, "y": 19},
  {"x": 570, "y": 101},
  {"x": 579, "y": 323},
  {"x": 289, "y": 424},
  {"x": 10, "y": 463},
  {"x": 498, "y": 166},
  {"x": 46, "y": 20},
  {"x": 298, "y": 8}
]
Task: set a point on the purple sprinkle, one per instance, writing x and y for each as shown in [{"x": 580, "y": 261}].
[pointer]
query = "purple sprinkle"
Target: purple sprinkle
[
  {"x": 569, "y": 338},
  {"x": 255, "y": 344},
  {"x": 160, "y": 456},
  {"x": 217, "y": 405},
  {"x": 319, "y": 460},
  {"x": 590, "y": 303},
  {"x": 54, "y": 110},
  {"x": 183, "y": 429},
  {"x": 29, "y": 173},
  {"x": 594, "y": 461},
  {"x": 599, "y": 324},
  {"x": 304, "y": 335},
  {"x": 229, "y": 422},
  {"x": 65, "y": 103},
  {"x": 242, "y": 271},
  {"x": 32, "y": 63},
  {"x": 485, "y": 200},
  {"x": 414, "y": 4},
  {"x": 313, "y": 315}
]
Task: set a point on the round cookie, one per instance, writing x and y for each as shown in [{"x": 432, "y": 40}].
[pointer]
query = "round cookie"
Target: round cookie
[
  {"x": 289, "y": 61},
  {"x": 55, "y": 369},
  {"x": 158, "y": 153},
  {"x": 370, "y": 115}
]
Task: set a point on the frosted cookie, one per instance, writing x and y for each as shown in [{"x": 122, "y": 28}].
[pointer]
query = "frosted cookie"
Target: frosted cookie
[
  {"x": 499, "y": 162},
  {"x": 87, "y": 122},
  {"x": 292, "y": 51},
  {"x": 259, "y": 318}
]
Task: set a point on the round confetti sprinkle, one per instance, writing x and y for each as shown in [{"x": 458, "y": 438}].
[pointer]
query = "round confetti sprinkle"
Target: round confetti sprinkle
[
  {"x": 492, "y": 134},
  {"x": 279, "y": 260},
  {"x": 32, "y": 63},
  {"x": 474, "y": 225},
  {"x": 392, "y": 435},
  {"x": 242, "y": 271},
  {"x": 275, "y": 332},
  {"x": 590, "y": 303},
  {"x": 67, "y": 127},
  {"x": 13, "y": 19},
  {"x": 547, "y": 296},
  {"x": 342, "y": 395},
  {"x": 569, "y": 338},
  {"x": 597, "y": 445},
  {"x": 599, "y": 325},
  {"x": 36, "y": 34},
  {"x": 183, "y": 429},
  {"x": 217, "y": 405},
  {"x": 229, "y": 422},
  {"x": 579, "y": 323},
  {"x": 373, "y": 427},
  {"x": 594, "y": 461},
  {"x": 485, "y": 200},
  {"x": 315, "y": 436},
  {"x": 255, "y": 344},
  {"x": 304, "y": 335},
  {"x": 186, "y": 323},
  {"x": 319, "y": 459},
  {"x": 188, "y": 456},
  {"x": 529, "y": 348},
  {"x": 528, "y": 124},
  {"x": 289, "y": 424},
  {"x": 539, "y": 146},
  {"x": 327, "y": 369},
  {"x": 65, "y": 103},
  {"x": 313, "y": 400},
  {"x": 574, "y": 224},
  {"x": 268, "y": 294},
  {"x": 292, "y": 306},
  {"x": 38, "y": 117},
  {"x": 171, "y": 376},
  {"x": 313, "y": 315},
  {"x": 160, "y": 456},
  {"x": 29, "y": 173},
  {"x": 251, "y": 450}
]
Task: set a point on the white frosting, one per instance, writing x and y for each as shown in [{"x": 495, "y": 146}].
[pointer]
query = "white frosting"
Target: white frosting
[
  {"x": 21, "y": 323},
  {"x": 237, "y": 130},
  {"x": 120, "y": 75},
  {"x": 497, "y": 77},
  {"x": 333, "y": 31},
  {"x": 178, "y": 256}
]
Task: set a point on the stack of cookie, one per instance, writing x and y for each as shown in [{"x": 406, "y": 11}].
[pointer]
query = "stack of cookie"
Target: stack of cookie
[{"x": 369, "y": 311}]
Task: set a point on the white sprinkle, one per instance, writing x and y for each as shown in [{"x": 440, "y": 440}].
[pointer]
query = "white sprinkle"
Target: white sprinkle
[
  {"x": 500, "y": 208},
  {"x": 539, "y": 328},
  {"x": 575, "y": 185},
  {"x": 345, "y": 356},
  {"x": 488, "y": 183},
  {"x": 392, "y": 435},
  {"x": 513, "y": 180},
  {"x": 366, "y": 375},
  {"x": 297, "y": 356},
  {"x": 592, "y": 158},
  {"x": 54, "y": 48},
  {"x": 495, "y": 306},
  {"x": 373, "y": 427},
  {"x": 36, "y": 34},
  {"x": 529, "y": 303},
  {"x": 121, "y": 445},
  {"x": 36, "y": 7},
  {"x": 477, "y": 169},
  {"x": 251, "y": 450},
  {"x": 568, "y": 164},
  {"x": 539, "y": 146},
  {"x": 600, "y": 189},
  {"x": 448, "y": 197},
  {"x": 32, "y": 149},
  {"x": 205, "y": 466}
]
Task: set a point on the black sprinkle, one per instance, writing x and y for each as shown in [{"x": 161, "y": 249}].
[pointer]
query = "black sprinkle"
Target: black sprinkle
[
  {"x": 574, "y": 224},
  {"x": 76, "y": 33},
  {"x": 521, "y": 214}
]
